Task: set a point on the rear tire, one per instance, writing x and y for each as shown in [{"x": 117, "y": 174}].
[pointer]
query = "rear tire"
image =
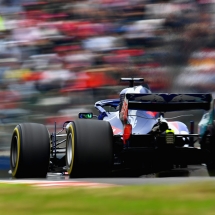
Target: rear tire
[
  {"x": 30, "y": 151},
  {"x": 89, "y": 148}
]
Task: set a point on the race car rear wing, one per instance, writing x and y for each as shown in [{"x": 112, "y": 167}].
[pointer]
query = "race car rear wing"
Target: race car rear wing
[{"x": 168, "y": 102}]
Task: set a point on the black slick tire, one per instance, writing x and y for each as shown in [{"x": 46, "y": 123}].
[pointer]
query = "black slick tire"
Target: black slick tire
[
  {"x": 30, "y": 151},
  {"x": 89, "y": 148}
]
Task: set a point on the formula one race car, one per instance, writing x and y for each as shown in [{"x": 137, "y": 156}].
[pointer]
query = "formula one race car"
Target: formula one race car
[{"x": 135, "y": 137}]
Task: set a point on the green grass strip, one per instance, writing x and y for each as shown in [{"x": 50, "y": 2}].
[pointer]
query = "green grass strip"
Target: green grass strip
[{"x": 181, "y": 199}]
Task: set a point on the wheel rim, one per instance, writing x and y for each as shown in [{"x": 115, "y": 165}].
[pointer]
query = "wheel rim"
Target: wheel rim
[
  {"x": 14, "y": 152},
  {"x": 69, "y": 150}
]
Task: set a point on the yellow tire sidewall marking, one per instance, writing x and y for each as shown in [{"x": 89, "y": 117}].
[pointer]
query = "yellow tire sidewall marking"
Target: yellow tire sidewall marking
[
  {"x": 71, "y": 129},
  {"x": 16, "y": 131}
]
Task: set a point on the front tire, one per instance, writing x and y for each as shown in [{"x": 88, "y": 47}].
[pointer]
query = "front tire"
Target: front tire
[
  {"x": 30, "y": 151},
  {"x": 89, "y": 148}
]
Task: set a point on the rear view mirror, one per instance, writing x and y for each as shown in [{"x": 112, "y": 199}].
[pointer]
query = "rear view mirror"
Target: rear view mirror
[{"x": 85, "y": 115}]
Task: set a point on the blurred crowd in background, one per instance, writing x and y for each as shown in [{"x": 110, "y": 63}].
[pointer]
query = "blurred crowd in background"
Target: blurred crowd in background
[{"x": 57, "y": 54}]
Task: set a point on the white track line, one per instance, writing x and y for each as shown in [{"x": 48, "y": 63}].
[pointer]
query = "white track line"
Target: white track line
[{"x": 43, "y": 183}]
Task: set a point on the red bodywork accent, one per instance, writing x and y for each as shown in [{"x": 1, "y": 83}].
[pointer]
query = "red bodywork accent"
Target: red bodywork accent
[
  {"x": 116, "y": 130},
  {"x": 124, "y": 112},
  {"x": 127, "y": 132},
  {"x": 175, "y": 124},
  {"x": 151, "y": 113}
]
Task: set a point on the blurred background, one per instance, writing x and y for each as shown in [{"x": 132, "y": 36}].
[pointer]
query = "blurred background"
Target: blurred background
[{"x": 58, "y": 57}]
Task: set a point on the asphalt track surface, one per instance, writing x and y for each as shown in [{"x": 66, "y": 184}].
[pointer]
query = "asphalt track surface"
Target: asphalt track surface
[{"x": 195, "y": 173}]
